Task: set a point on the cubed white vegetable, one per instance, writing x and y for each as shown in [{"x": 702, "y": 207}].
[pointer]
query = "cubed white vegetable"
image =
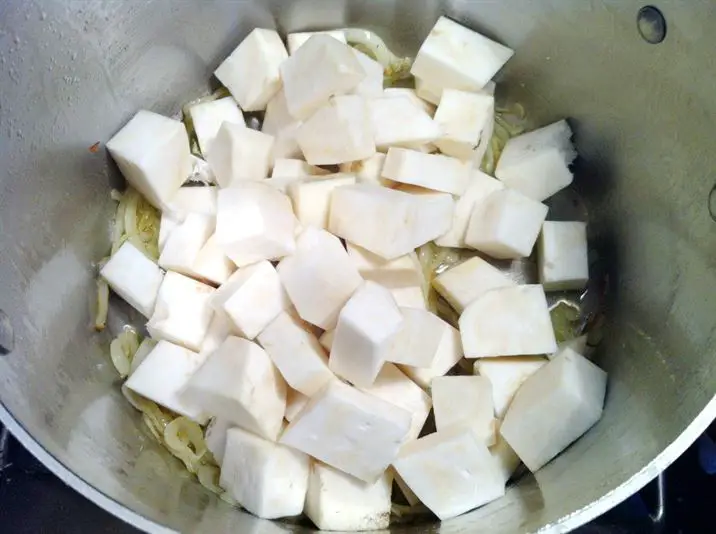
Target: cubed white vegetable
[
  {"x": 563, "y": 262},
  {"x": 578, "y": 344},
  {"x": 181, "y": 250},
  {"x": 372, "y": 84},
  {"x": 182, "y": 313},
  {"x": 508, "y": 321},
  {"x": 417, "y": 342},
  {"x": 449, "y": 353},
  {"x": 368, "y": 170},
  {"x": 251, "y": 72},
  {"x": 207, "y": 118},
  {"x": 319, "y": 277},
  {"x": 479, "y": 187},
  {"x": 311, "y": 199},
  {"x": 211, "y": 264},
  {"x": 161, "y": 378},
  {"x": 266, "y": 478},
  {"x": 456, "y": 57},
  {"x": 239, "y": 153},
  {"x": 336, "y": 501},
  {"x": 432, "y": 171},
  {"x": 465, "y": 401},
  {"x": 238, "y": 383},
  {"x": 298, "y": 39},
  {"x": 219, "y": 329},
  {"x": 153, "y": 154},
  {"x": 191, "y": 199},
  {"x": 401, "y": 122},
  {"x": 450, "y": 471},
  {"x": 215, "y": 438},
  {"x": 409, "y": 297},
  {"x": 554, "y": 407},
  {"x": 505, "y": 456},
  {"x": 295, "y": 401},
  {"x": 537, "y": 163},
  {"x": 255, "y": 222},
  {"x": 334, "y": 70},
  {"x": 279, "y": 123},
  {"x": 506, "y": 225},
  {"x": 326, "y": 339},
  {"x": 338, "y": 132},
  {"x": 428, "y": 92},
  {"x": 464, "y": 117},
  {"x": 462, "y": 284},
  {"x": 410, "y": 94},
  {"x": 352, "y": 431},
  {"x": 506, "y": 376},
  {"x": 134, "y": 277},
  {"x": 166, "y": 225},
  {"x": 386, "y": 222},
  {"x": 404, "y": 271},
  {"x": 393, "y": 386},
  {"x": 286, "y": 171}
]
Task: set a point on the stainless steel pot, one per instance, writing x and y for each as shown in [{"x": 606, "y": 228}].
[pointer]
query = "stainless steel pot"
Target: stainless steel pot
[{"x": 73, "y": 72}]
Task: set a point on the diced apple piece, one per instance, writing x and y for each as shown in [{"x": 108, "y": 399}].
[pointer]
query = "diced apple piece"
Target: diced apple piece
[
  {"x": 251, "y": 72},
  {"x": 349, "y": 430},
  {"x": 336, "y": 501},
  {"x": 182, "y": 249},
  {"x": 372, "y": 85},
  {"x": 161, "y": 378},
  {"x": 326, "y": 339},
  {"x": 255, "y": 222},
  {"x": 295, "y": 401},
  {"x": 505, "y": 456},
  {"x": 506, "y": 225},
  {"x": 266, "y": 478},
  {"x": 239, "y": 153},
  {"x": 409, "y": 297},
  {"x": 216, "y": 438},
  {"x": 400, "y": 122},
  {"x": 153, "y": 154},
  {"x": 465, "y": 401},
  {"x": 298, "y": 39},
  {"x": 432, "y": 171},
  {"x": 219, "y": 329},
  {"x": 450, "y": 471},
  {"x": 463, "y": 284},
  {"x": 508, "y": 321},
  {"x": 455, "y": 57},
  {"x": 465, "y": 119},
  {"x": 207, "y": 118},
  {"x": 404, "y": 271},
  {"x": 193, "y": 199},
  {"x": 563, "y": 262},
  {"x": 134, "y": 277},
  {"x": 410, "y": 94},
  {"x": 211, "y": 264},
  {"x": 537, "y": 163},
  {"x": 449, "y": 354},
  {"x": 334, "y": 70},
  {"x": 554, "y": 407},
  {"x": 506, "y": 376},
  {"x": 418, "y": 340},
  {"x": 312, "y": 198}
]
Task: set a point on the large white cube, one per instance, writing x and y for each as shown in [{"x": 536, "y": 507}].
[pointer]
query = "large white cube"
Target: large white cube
[
  {"x": 295, "y": 401},
  {"x": 508, "y": 321},
  {"x": 466, "y": 120},
  {"x": 412, "y": 95},
  {"x": 505, "y": 456},
  {"x": 506, "y": 225},
  {"x": 215, "y": 438},
  {"x": 372, "y": 84},
  {"x": 193, "y": 199},
  {"x": 367, "y": 170},
  {"x": 311, "y": 199},
  {"x": 251, "y": 72},
  {"x": 281, "y": 124},
  {"x": 563, "y": 256},
  {"x": 298, "y": 39},
  {"x": 429, "y": 92},
  {"x": 418, "y": 340},
  {"x": 507, "y": 376},
  {"x": 238, "y": 383},
  {"x": 409, "y": 297},
  {"x": 211, "y": 264},
  {"x": 182, "y": 248},
  {"x": 287, "y": 171},
  {"x": 349, "y": 430},
  {"x": 207, "y": 118},
  {"x": 554, "y": 407},
  {"x": 153, "y": 154},
  {"x": 219, "y": 329},
  {"x": 239, "y": 153},
  {"x": 404, "y": 271},
  {"x": 401, "y": 122},
  {"x": 432, "y": 171},
  {"x": 449, "y": 354},
  {"x": 465, "y": 401}
]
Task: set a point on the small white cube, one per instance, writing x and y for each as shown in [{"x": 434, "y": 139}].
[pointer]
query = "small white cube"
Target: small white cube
[
  {"x": 287, "y": 171},
  {"x": 153, "y": 154},
  {"x": 363, "y": 337},
  {"x": 239, "y": 153},
  {"x": 207, "y": 118},
  {"x": 431, "y": 171},
  {"x": 311, "y": 199},
  {"x": 298, "y": 39},
  {"x": 295, "y": 401},
  {"x": 410, "y": 94},
  {"x": 334, "y": 70},
  {"x": 238, "y": 383},
  {"x": 251, "y": 72},
  {"x": 404, "y": 271},
  {"x": 418, "y": 340},
  {"x": 450, "y": 471},
  {"x": 508, "y": 321},
  {"x": 193, "y": 199},
  {"x": 219, "y": 329},
  {"x": 506, "y": 376},
  {"x": 372, "y": 84},
  {"x": 336, "y": 501},
  {"x": 349, "y": 430},
  {"x": 266, "y": 478},
  {"x": 449, "y": 354},
  {"x": 279, "y": 123},
  {"x": 409, "y": 297},
  {"x": 182, "y": 248},
  {"x": 401, "y": 122},
  {"x": 563, "y": 261},
  {"x": 466, "y": 119},
  {"x": 465, "y": 401},
  {"x": 215, "y": 438},
  {"x": 554, "y": 407},
  {"x": 319, "y": 277},
  {"x": 182, "y": 314},
  {"x": 211, "y": 264},
  {"x": 326, "y": 339},
  {"x": 368, "y": 170},
  {"x": 506, "y": 225},
  {"x": 134, "y": 277}
]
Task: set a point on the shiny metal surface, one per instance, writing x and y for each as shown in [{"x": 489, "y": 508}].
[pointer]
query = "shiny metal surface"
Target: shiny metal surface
[{"x": 73, "y": 72}]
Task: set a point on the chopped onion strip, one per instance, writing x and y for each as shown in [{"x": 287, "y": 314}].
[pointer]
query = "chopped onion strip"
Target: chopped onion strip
[{"x": 395, "y": 68}]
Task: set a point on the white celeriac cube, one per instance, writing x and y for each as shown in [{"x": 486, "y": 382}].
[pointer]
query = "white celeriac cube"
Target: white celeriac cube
[
  {"x": 368, "y": 170},
  {"x": 449, "y": 354},
  {"x": 349, "y": 430},
  {"x": 508, "y": 321},
  {"x": 401, "y": 122},
  {"x": 182, "y": 313},
  {"x": 215, "y": 438},
  {"x": 428, "y": 92},
  {"x": 334, "y": 70},
  {"x": 207, "y": 118},
  {"x": 238, "y": 383},
  {"x": 336, "y": 501},
  {"x": 326, "y": 339},
  {"x": 411, "y": 94},
  {"x": 506, "y": 225},
  {"x": 418, "y": 340},
  {"x": 537, "y": 163},
  {"x": 578, "y": 344},
  {"x": 251, "y": 72},
  {"x": 386, "y": 222},
  {"x": 182, "y": 248},
  {"x": 506, "y": 376},
  {"x": 287, "y": 171},
  {"x": 319, "y": 277},
  {"x": 239, "y": 153},
  {"x": 431, "y": 171},
  {"x": 297, "y": 354},
  {"x": 267, "y": 479},
  {"x": 409, "y": 297},
  {"x": 372, "y": 84},
  {"x": 338, "y": 132},
  {"x": 311, "y": 199},
  {"x": 450, "y": 471},
  {"x": 466, "y": 119},
  {"x": 562, "y": 259},
  {"x": 456, "y": 57},
  {"x": 211, "y": 264},
  {"x": 462, "y": 284},
  {"x": 219, "y": 329},
  {"x": 505, "y": 456},
  {"x": 167, "y": 223},
  {"x": 295, "y": 401},
  {"x": 404, "y": 271},
  {"x": 255, "y": 222},
  {"x": 554, "y": 407},
  {"x": 153, "y": 154},
  {"x": 192, "y": 199},
  {"x": 279, "y": 123},
  {"x": 134, "y": 277},
  {"x": 363, "y": 335},
  {"x": 298, "y": 39},
  {"x": 393, "y": 386},
  {"x": 465, "y": 401},
  {"x": 161, "y": 378}
]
